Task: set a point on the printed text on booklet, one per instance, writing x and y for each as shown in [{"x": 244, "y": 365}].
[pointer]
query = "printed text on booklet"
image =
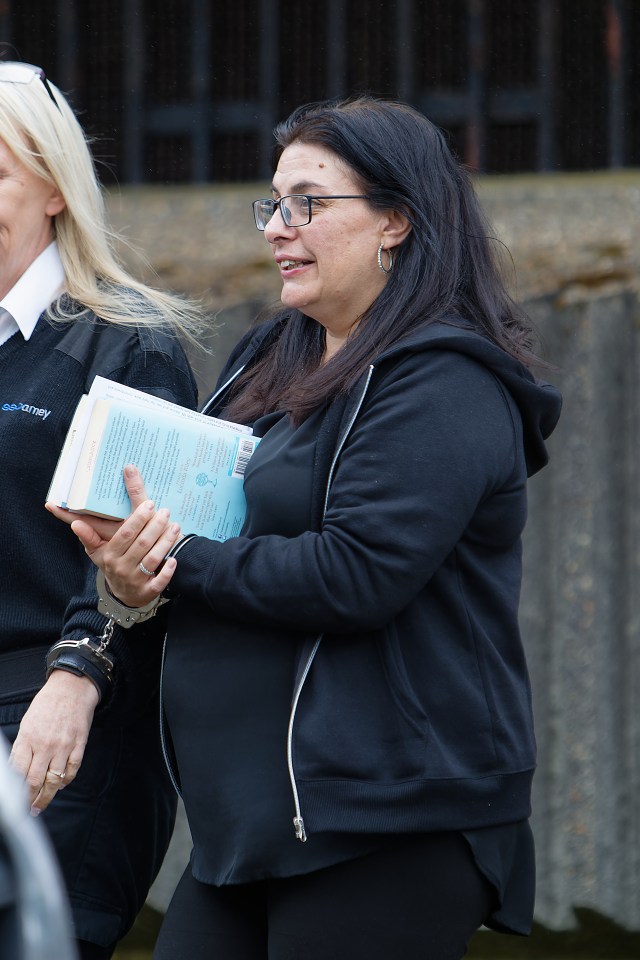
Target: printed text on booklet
[{"x": 191, "y": 464}]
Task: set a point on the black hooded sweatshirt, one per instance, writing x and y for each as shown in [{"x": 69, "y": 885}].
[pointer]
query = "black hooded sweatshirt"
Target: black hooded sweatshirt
[{"x": 410, "y": 706}]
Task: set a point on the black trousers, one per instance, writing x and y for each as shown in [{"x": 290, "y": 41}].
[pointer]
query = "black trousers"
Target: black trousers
[{"x": 421, "y": 897}]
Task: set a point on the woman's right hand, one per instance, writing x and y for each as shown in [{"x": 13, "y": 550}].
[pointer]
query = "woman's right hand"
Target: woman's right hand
[
  {"x": 122, "y": 550},
  {"x": 143, "y": 540}
]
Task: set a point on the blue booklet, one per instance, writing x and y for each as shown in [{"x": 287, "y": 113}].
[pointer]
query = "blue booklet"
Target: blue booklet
[{"x": 191, "y": 464}]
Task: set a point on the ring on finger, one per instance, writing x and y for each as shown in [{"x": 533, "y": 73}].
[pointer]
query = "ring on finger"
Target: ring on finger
[
  {"x": 143, "y": 569},
  {"x": 54, "y": 773}
]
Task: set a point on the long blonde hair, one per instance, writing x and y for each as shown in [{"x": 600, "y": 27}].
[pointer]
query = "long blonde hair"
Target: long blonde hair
[{"x": 49, "y": 140}]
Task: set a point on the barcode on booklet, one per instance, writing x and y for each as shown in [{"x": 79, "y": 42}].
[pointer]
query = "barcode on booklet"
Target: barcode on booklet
[{"x": 243, "y": 455}]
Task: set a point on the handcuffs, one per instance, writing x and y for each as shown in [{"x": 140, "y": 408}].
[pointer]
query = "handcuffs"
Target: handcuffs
[
  {"x": 89, "y": 656},
  {"x": 120, "y": 613}
]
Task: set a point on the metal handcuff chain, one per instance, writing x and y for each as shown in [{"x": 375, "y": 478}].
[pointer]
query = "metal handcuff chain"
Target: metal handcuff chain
[{"x": 94, "y": 650}]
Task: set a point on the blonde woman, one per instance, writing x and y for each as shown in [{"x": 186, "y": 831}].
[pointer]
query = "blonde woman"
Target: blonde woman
[{"x": 84, "y": 729}]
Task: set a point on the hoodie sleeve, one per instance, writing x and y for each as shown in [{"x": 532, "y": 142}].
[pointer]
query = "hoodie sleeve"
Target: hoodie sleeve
[{"x": 434, "y": 459}]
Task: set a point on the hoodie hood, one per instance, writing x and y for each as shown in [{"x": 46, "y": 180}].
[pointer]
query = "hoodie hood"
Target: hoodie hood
[{"x": 539, "y": 402}]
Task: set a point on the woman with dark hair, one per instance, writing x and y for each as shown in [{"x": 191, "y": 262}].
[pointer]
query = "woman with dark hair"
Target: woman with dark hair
[{"x": 352, "y": 661}]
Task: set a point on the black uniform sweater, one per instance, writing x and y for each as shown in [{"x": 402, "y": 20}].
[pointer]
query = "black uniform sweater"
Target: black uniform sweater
[{"x": 47, "y": 584}]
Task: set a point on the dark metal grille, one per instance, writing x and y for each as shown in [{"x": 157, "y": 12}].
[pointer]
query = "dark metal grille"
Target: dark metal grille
[
  {"x": 439, "y": 49},
  {"x": 583, "y": 96},
  {"x": 189, "y": 90}
]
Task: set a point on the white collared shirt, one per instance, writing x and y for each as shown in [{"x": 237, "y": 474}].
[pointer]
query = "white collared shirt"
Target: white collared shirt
[{"x": 36, "y": 289}]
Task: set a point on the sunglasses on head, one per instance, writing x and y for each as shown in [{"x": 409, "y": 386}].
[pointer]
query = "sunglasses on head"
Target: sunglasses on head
[{"x": 14, "y": 71}]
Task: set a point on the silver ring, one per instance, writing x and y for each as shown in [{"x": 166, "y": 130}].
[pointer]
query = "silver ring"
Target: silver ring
[
  {"x": 56, "y": 774},
  {"x": 149, "y": 573}
]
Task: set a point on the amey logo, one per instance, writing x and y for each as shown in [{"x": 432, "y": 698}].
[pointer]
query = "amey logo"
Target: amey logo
[{"x": 27, "y": 408}]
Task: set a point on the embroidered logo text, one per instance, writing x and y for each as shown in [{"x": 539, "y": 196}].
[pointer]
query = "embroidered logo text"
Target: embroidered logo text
[{"x": 27, "y": 408}]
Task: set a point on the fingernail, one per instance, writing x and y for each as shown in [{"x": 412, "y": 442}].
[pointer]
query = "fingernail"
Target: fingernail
[
  {"x": 129, "y": 470},
  {"x": 174, "y": 529},
  {"x": 35, "y": 812},
  {"x": 149, "y": 505}
]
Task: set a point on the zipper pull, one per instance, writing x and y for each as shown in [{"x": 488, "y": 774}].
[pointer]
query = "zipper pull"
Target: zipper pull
[{"x": 298, "y": 823}]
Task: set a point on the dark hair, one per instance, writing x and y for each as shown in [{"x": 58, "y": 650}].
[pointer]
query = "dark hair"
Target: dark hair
[{"x": 444, "y": 269}]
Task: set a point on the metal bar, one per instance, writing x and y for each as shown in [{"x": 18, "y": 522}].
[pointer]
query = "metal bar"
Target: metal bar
[
  {"x": 5, "y": 25},
  {"x": 405, "y": 50},
  {"x": 133, "y": 121},
  {"x": 513, "y": 105},
  {"x": 615, "y": 54},
  {"x": 444, "y": 107},
  {"x": 336, "y": 63},
  {"x": 176, "y": 119},
  {"x": 269, "y": 86},
  {"x": 200, "y": 128},
  {"x": 547, "y": 46},
  {"x": 67, "y": 47},
  {"x": 476, "y": 87}
]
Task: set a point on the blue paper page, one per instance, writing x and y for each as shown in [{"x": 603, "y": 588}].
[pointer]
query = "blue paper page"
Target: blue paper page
[{"x": 193, "y": 469}]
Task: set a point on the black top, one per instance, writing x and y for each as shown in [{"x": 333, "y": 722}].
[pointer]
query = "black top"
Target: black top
[
  {"x": 47, "y": 583},
  {"x": 411, "y": 705},
  {"x": 251, "y": 833},
  {"x": 250, "y": 828}
]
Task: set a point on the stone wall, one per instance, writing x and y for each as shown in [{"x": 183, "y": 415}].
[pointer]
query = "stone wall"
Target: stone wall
[
  {"x": 580, "y": 615},
  {"x": 572, "y": 253},
  {"x": 559, "y": 234}
]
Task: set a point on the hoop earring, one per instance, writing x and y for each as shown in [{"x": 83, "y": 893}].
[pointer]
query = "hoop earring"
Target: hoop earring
[{"x": 380, "y": 263}]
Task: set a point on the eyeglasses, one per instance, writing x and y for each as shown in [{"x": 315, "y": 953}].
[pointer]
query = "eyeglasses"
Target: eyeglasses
[
  {"x": 295, "y": 210},
  {"x": 14, "y": 71}
]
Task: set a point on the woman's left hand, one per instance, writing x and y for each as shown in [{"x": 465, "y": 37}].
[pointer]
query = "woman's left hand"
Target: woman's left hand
[
  {"x": 49, "y": 747},
  {"x": 121, "y": 550}
]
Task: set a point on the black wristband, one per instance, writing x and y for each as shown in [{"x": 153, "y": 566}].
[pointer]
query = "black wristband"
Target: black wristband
[
  {"x": 87, "y": 655},
  {"x": 72, "y": 663}
]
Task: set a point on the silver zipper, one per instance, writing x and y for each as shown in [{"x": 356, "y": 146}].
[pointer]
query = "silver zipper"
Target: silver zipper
[
  {"x": 298, "y": 820},
  {"x": 163, "y": 741},
  {"x": 214, "y": 396},
  {"x": 344, "y": 438}
]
